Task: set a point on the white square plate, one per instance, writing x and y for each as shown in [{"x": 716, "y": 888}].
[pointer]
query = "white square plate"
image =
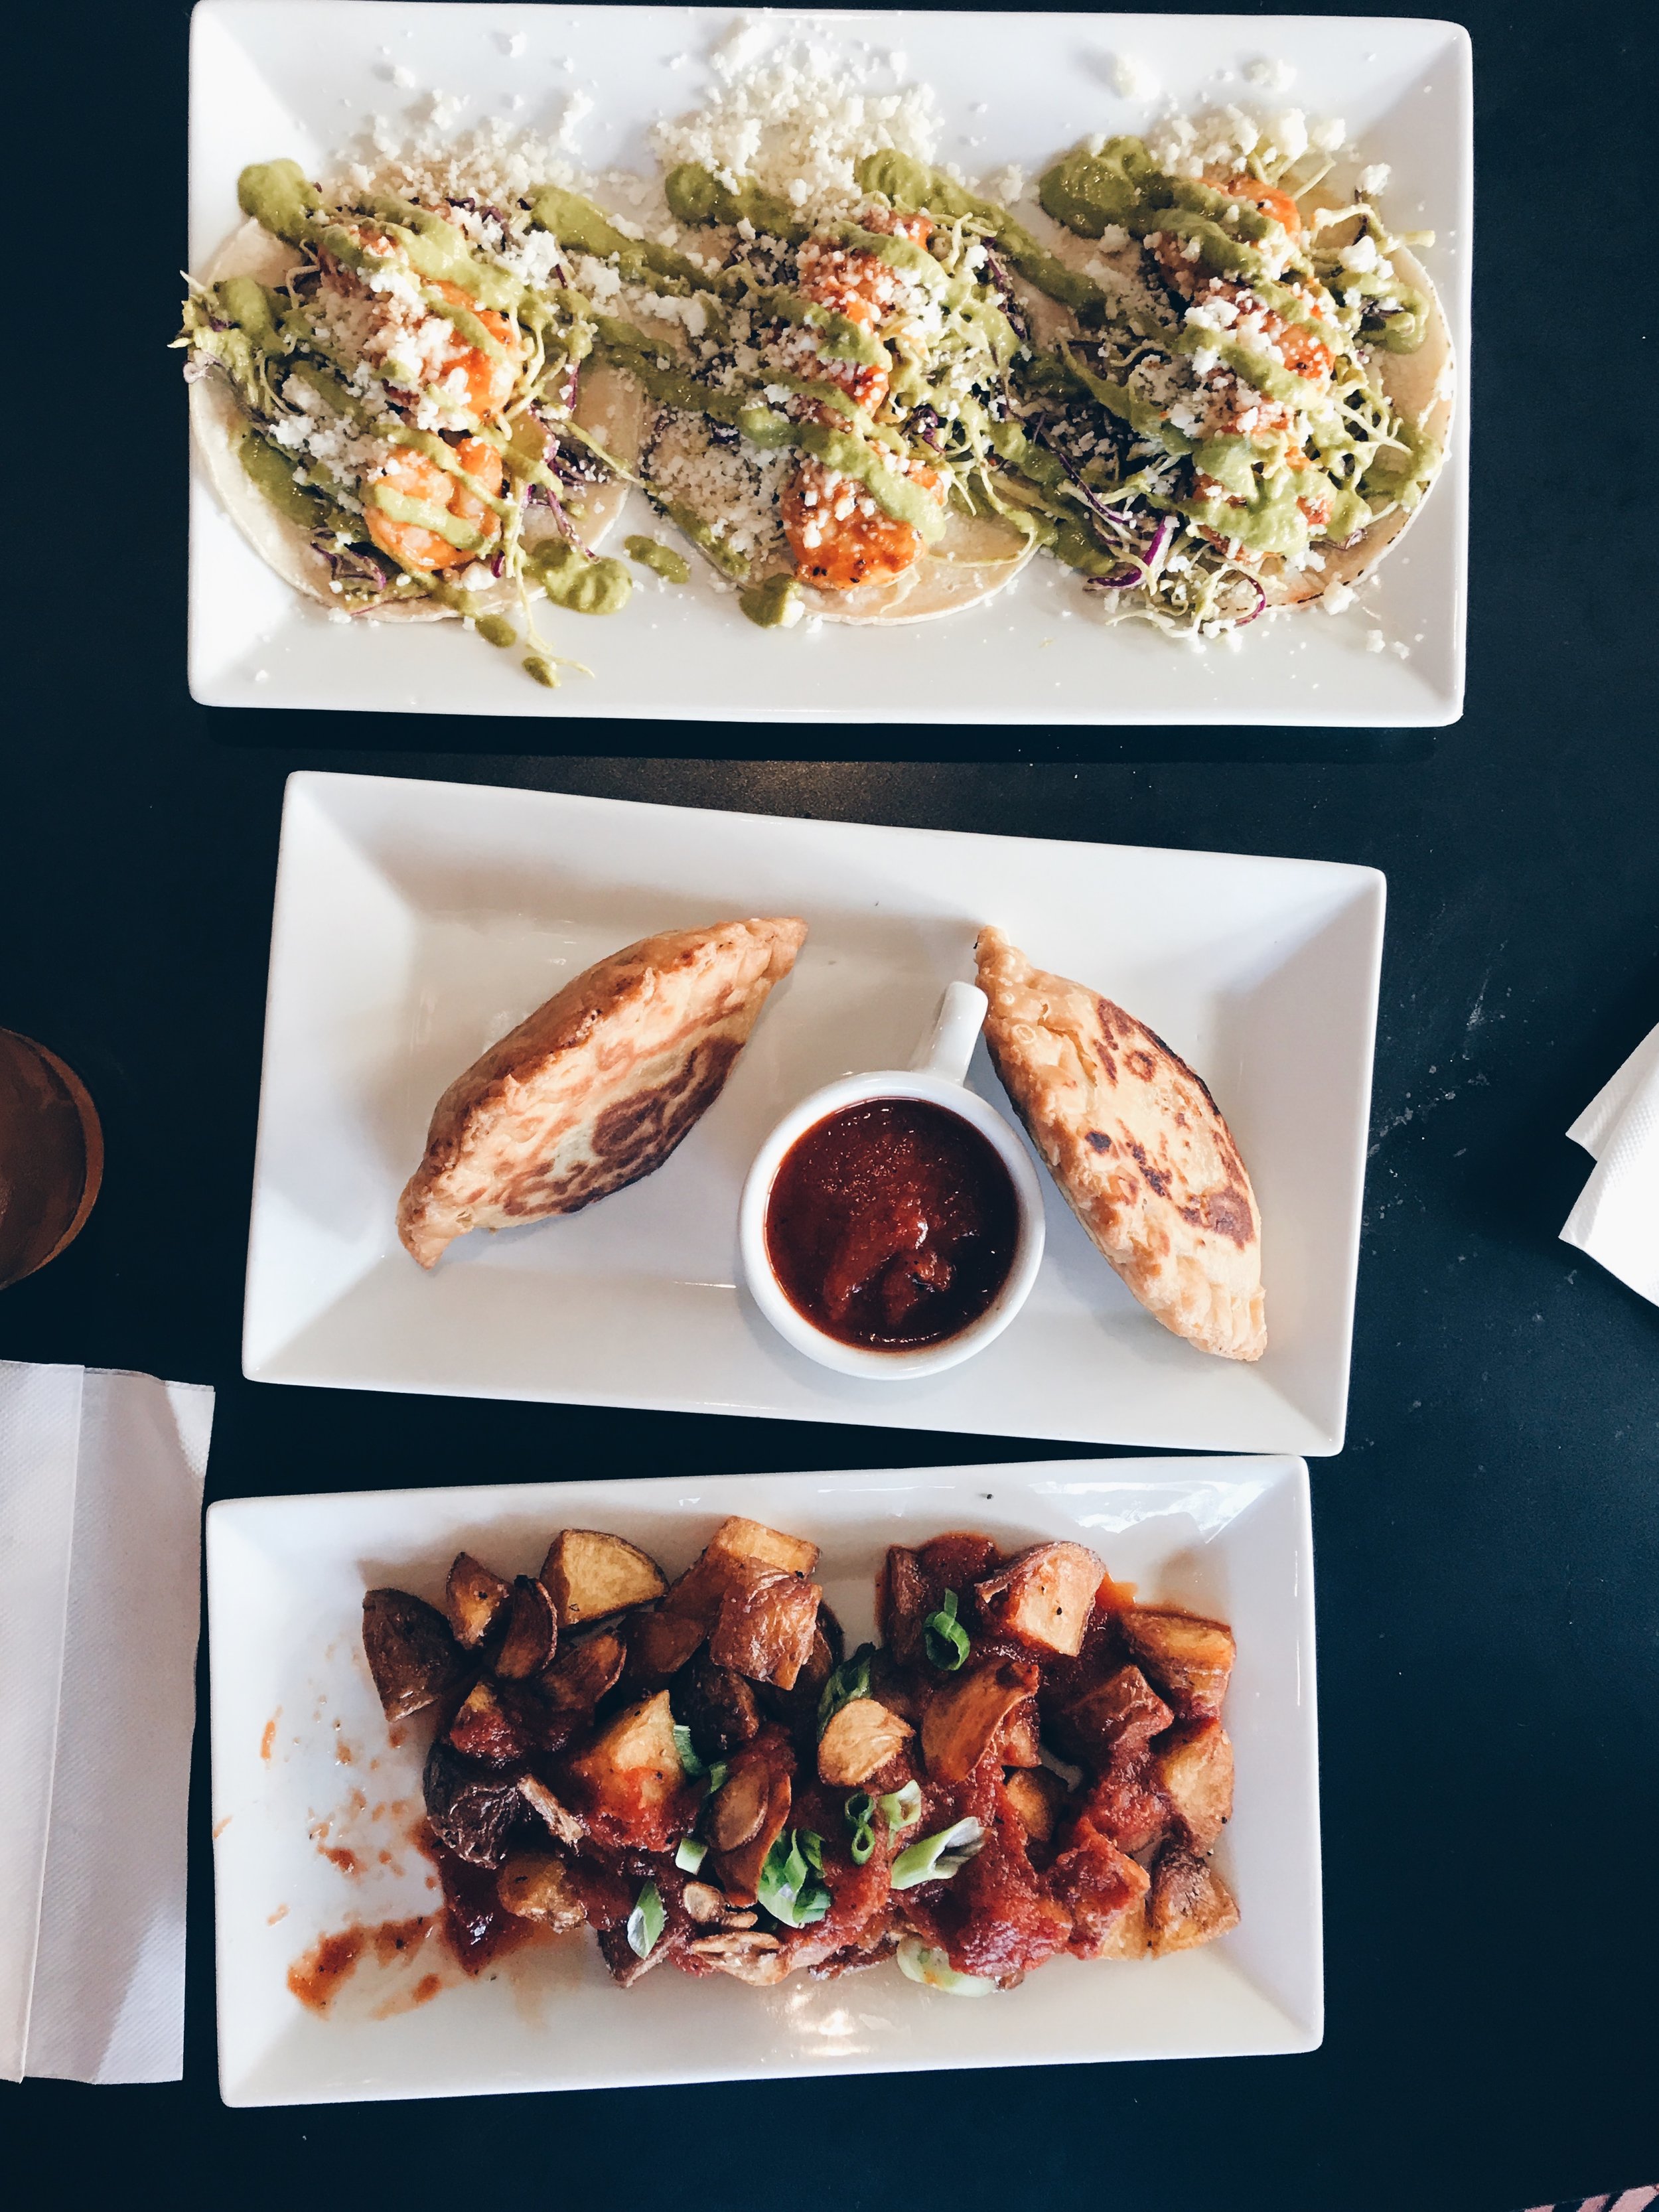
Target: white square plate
[
  {"x": 416, "y": 922},
  {"x": 286, "y": 1577},
  {"x": 303, "y": 77}
]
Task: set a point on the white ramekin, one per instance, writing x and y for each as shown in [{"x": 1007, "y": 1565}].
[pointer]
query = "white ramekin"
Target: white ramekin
[{"x": 937, "y": 1074}]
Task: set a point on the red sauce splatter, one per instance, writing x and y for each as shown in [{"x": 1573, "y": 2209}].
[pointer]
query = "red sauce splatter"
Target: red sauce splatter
[
  {"x": 272, "y": 1918},
  {"x": 892, "y": 1224},
  {"x": 315, "y": 1978},
  {"x": 343, "y": 1753},
  {"x": 268, "y": 1741},
  {"x": 219, "y": 1826},
  {"x": 425, "y": 1990},
  {"x": 396, "y": 1939},
  {"x": 337, "y": 1854}
]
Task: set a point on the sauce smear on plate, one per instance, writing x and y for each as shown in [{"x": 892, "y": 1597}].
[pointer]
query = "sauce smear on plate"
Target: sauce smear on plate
[{"x": 891, "y": 1224}]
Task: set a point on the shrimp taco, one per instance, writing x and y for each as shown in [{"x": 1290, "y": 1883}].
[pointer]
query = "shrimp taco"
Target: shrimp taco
[
  {"x": 1239, "y": 383},
  {"x": 398, "y": 404},
  {"x": 818, "y": 396}
]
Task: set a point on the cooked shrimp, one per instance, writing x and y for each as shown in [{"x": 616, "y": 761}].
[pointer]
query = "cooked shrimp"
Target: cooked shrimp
[
  {"x": 840, "y": 537},
  {"x": 412, "y": 475},
  {"x": 488, "y": 381},
  {"x": 1268, "y": 198}
]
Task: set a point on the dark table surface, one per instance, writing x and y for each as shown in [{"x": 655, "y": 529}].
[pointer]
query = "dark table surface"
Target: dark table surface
[{"x": 1488, "y": 1542}]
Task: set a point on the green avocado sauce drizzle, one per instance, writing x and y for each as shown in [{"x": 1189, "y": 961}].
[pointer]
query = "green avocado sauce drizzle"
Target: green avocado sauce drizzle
[{"x": 662, "y": 559}]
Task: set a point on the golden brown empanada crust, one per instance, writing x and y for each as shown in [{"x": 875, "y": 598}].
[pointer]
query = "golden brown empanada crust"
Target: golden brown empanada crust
[
  {"x": 1138, "y": 1146},
  {"x": 597, "y": 1086}
]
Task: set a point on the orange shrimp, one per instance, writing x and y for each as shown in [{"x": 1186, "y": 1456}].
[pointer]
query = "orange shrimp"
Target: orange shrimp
[
  {"x": 489, "y": 382},
  {"x": 1268, "y": 198},
  {"x": 413, "y": 476},
  {"x": 836, "y": 543}
]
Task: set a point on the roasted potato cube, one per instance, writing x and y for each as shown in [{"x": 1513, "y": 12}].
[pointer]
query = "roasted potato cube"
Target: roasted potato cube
[
  {"x": 631, "y": 1773},
  {"x": 718, "y": 1708},
  {"x": 536, "y": 1885},
  {"x": 1043, "y": 1596},
  {"x": 766, "y": 1630},
  {"x": 1126, "y": 1937},
  {"x": 1037, "y": 1796},
  {"x": 903, "y": 1601},
  {"x": 474, "y": 1599},
  {"x": 410, "y": 1652},
  {"x": 562, "y": 1824},
  {"x": 1098, "y": 1883},
  {"x": 531, "y": 1632},
  {"x": 1017, "y": 1742},
  {"x": 586, "y": 1667},
  {"x": 1190, "y": 1904},
  {"x": 589, "y": 1575},
  {"x": 860, "y": 1739},
  {"x": 660, "y": 1642},
  {"x": 962, "y": 1717},
  {"x": 736, "y": 1539},
  {"x": 483, "y": 1729},
  {"x": 1195, "y": 1763},
  {"x": 1124, "y": 1711},
  {"x": 1187, "y": 1657},
  {"x": 469, "y": 1811},
  {"x": 1127, "y": 1803}
]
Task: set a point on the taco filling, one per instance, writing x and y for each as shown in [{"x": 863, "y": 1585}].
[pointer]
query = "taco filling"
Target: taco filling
[
  {"x": 1210, "y": 428},
  {"x": 407, "y": 383}
]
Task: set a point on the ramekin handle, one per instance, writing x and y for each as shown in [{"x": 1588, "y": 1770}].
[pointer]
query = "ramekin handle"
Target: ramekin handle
[{"x": 949, "y": 1045}]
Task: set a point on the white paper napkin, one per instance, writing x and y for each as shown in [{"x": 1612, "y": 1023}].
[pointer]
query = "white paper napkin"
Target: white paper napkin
[
  {"x": 1616, "y": 1220},
  {"x": 100, "y": 1520}
]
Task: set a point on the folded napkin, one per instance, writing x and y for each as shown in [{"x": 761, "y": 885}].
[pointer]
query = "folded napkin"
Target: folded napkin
[
  {"x": 101, "y": 1520},
  {"x": 1616, "y": 1220}
]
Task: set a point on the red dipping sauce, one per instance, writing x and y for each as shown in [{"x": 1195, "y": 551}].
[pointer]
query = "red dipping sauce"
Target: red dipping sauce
[{"x": 891, "y": 1224}]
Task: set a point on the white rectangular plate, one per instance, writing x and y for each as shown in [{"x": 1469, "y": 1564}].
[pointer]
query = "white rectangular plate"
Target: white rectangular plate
[
  {"x": 303, "y": 77},
  {"x": 286, "y": 1577},
  {"x": 416, "y": 922}
]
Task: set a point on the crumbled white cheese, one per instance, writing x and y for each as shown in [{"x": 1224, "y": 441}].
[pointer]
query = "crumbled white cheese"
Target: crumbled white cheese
[
  {"x": 1375, "y": 178},
  {"x": 402, "y": 78},
  {"x": 1273, "y": 76},
  {"x": 1375, "y": 642},
  {"x": 1337, "y": 598},
  {"x": 516, "y": 43},
  {"x": 1329, "y": 133},
  {"x": 1132, "y": 79}
]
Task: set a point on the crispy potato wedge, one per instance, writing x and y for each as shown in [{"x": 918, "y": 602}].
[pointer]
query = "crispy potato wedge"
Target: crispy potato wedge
[
  {"x": 718, "y": 1708},
  {"x": 962, "y": 1717},
  {"x": 1188, "y": 1658},
  {"x": 746, "y": 1954},
  {"x": 1127, "y": 1803},
  {"x": 1043, "y": 1596},
  {"x": 590, "y": 1574},
  {"x": 903, "y": 1601},
  {"x": 631, "y": 1772},
  {"x": 661, "y": 1642},
  {"x": 1017, "y": 1742},
  {"x": 766, "y": 1630},
  {"x": 484, "y": 1729},
  {"x": 738, "y": 1871},
  {"x": 1126, "y": 1937},
  {"x": 470, "y": 1812},
  {"x": 536, "y": 1885},
  {"x": 474, "y": 1599},
  {"x": 1124, "y": 1711},
  {"x": 1037, "y": 1796},
  {"x": 1098, "y": 1883},
  {"x": 736, "y": 1539},
  {"x": 860, "y": 1739},
  {"x": 1195, "y": 1763},
  {"x": 562, "y": 1824},
  {"x": 1190, "y": 1904},
  {"x": 583, "y": 1669},
  {"x": 410, "y": 1652},
  {"x": 532, "y": 1632}
]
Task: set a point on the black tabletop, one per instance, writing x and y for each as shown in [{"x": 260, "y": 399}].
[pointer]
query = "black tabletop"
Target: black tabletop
[{"x": 1488, "y": 1542}]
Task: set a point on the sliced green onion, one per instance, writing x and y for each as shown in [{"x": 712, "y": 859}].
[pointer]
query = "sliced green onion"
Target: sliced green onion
[
  {"x": 717, "y": 1774},
  {"x": 849, "y": 1680},
  {"x": 689, "y": 1760},
  {"x": 644, "y": 1922},
  {"x": 944, "y": 1637},
  {"x": 858, "y": 1813},
  {"x": 788, "y": 1887},
  {"x": 899, "y": 1808},
  {"x": 691, "y": 1855},
  {"x": 936, "y": 1858},
  {"x": 811, "y": 1846},
  {"x": 922, "y": 1963}
]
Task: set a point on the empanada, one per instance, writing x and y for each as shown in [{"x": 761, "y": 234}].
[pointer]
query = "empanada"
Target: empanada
[
  {"x": 1138, "y": 1146},
  {"x": 597, "y": 1086}
]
